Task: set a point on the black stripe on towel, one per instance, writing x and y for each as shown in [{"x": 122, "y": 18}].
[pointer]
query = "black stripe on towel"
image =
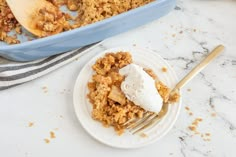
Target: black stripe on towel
[
  {"x": 38, "y": 70},
  {"x": 6, "y": 87},
  {"x": 18, "y": 67}
]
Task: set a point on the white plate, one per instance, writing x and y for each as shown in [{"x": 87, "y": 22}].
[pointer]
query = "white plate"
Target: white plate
[{"x": 144, "y": 58}]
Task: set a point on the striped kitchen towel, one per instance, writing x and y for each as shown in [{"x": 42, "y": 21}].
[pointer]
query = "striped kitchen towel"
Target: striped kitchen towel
[{"x": 14, "y": 74}]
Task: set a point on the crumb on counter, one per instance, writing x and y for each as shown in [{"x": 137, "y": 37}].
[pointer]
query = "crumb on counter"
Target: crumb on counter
[
  {"x": 194, "y": 125},
  {"x": 46, "y": 140},
  {"x": 207, "y": 139},
  {"x": 187, "y": 108},
  {"x": 208, "y": 134},
  {"x": 190, "y": 113},
  {"x": 196, "y": 121},
  {"x": 30, "y": 124},
  {"x": 213, "y": 114},
  {"x": 192, "y": 128},
  {"x": 199, "y": 119},
  {"x": 45, "y": 89},
  {"x": 52, "y": 134}
]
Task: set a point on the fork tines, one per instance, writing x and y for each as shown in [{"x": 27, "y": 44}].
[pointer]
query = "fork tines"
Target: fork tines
[{"x": 137, "y": 125}]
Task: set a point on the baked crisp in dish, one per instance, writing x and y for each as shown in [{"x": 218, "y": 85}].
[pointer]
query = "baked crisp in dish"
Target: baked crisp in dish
[
  {"x": 53, "y": 21},
  {"x": 90, "y": 11},
  {"x": 110, "y": 106}
]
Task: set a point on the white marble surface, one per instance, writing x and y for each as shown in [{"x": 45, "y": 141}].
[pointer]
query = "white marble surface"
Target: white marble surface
[{"x": 183, "y": 38}]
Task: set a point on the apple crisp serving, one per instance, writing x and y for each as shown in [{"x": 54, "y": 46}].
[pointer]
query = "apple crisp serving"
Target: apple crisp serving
[
  {"x": 110, "y": 106},
  {"x": 53, "y": 21}
]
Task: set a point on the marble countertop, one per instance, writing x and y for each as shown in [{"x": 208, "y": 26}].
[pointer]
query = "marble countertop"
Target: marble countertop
[{"x": 31, "y": 111}]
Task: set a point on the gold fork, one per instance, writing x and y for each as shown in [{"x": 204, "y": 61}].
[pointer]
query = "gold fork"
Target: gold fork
[{"x": 149, "y": 119}]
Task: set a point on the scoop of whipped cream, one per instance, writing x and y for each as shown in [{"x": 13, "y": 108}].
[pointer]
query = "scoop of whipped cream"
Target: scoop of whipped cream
[{"x": 140, "y": 88}]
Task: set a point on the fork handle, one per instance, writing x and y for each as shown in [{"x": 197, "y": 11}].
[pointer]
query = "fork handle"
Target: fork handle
[{"x": 199, "y": 67}]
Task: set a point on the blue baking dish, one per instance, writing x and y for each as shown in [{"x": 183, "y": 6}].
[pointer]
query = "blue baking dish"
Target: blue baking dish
[{"x": 69, "y": 40}]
